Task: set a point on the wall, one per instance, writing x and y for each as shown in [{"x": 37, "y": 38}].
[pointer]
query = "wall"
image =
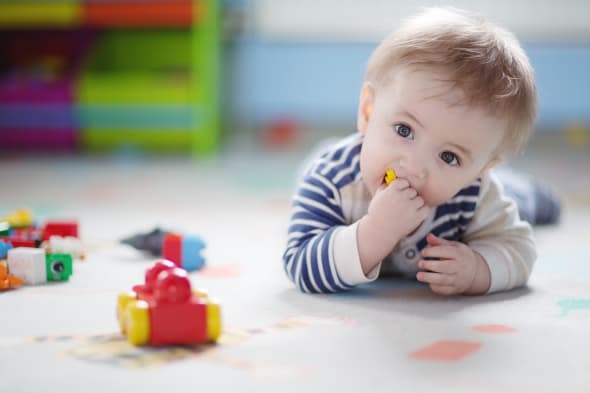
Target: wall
[{"x": 290, "y": 61}]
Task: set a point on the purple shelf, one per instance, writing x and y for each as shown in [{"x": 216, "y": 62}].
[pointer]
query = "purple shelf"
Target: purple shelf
[{"x": 30, "y": 92}]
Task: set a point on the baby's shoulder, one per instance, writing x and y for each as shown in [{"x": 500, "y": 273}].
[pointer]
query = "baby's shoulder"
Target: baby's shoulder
[{"x": 338, "y": 162}]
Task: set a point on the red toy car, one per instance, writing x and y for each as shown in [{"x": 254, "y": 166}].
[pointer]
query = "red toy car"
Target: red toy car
[{"x": 166, "y": 311}]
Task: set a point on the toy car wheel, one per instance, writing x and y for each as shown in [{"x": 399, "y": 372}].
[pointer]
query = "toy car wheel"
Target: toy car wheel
[
  {"x": 138, "y": 322},
  {"x": 122, "y": 301},
  {"x": 213, "y": 321}
]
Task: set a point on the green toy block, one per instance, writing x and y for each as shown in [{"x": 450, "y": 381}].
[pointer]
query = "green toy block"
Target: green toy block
[
  {"x": 4, "y": 228},
  {"x": 58, "y": 267}
]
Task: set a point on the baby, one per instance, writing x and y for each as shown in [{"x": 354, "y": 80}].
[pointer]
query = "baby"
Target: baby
[{"x": 446, "y": 97}]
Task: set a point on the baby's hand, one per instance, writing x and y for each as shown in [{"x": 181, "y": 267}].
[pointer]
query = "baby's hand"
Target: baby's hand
[
  {"x": 397, "y": 209},
  {"x": 458, "y": 269}
]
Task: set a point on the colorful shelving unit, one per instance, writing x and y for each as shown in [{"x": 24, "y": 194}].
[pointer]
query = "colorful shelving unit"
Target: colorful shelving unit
[{"x": 136, "y": 74}]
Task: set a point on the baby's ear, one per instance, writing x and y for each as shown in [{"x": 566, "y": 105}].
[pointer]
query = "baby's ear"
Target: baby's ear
[{"x": 365, "y": 106}]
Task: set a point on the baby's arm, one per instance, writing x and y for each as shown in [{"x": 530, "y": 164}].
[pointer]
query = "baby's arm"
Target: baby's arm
[
  {"x": 316, "y": 219},
  {"x": 325, "y": 254},
  {"x": 504, "y": 241},
  {"x": 395, "y": 210},
  {"x": 497, "y": 252}
]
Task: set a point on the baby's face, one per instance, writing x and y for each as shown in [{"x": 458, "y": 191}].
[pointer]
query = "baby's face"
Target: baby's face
[{"x": 414, "y": 128}]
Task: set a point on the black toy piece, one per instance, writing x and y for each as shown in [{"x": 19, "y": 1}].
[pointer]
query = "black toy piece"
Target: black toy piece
[{"x": 150, "y": 242}]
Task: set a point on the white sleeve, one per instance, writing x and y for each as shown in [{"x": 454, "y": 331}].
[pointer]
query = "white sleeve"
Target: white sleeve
[
  {"x": 346, "y": 257},
  {"x": 497, "y": 233}
]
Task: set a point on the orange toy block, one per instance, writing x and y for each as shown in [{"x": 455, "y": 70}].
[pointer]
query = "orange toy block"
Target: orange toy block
[{"x": 7, "y": 280}]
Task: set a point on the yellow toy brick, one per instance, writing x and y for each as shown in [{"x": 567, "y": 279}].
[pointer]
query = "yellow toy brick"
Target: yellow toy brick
[
  {"x": 20, "y": 218},
  {"x": 389, "y": 176}
]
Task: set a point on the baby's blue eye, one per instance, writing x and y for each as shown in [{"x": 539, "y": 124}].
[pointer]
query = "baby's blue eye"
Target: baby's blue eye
[
  {"x": 450, "y": 158},
  {"x": 404, "y": 131}
]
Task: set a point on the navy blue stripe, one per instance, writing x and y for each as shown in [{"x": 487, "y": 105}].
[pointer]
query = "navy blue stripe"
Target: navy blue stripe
[
  {"x": 472, "y": 190},
  {"x": 304, "y": 278},
  {"x": 306, "y": 215},
  {"x": 445, "y": 210},
  {"x": 445, "y": 226},
  {"x": 315, "y": 271},
  {"x": 422, "y": 244},
  {"x": 322, "y": 215}
]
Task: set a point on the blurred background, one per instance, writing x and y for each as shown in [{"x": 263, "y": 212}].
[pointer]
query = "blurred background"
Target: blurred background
[{"x": 201, "y": 77}]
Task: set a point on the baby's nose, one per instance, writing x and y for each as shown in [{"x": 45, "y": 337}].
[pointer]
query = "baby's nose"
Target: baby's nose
[{"x": 413, "y": 168}]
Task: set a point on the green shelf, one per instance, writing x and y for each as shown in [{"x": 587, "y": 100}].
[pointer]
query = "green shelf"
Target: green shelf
[{"x": 160, "y": 140}]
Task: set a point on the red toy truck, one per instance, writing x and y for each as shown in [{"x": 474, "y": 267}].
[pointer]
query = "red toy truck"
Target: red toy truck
[{"x": 167, "y": 311}]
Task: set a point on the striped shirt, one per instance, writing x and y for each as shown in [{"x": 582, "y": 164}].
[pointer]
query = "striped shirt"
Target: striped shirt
[{"x": 322, "y": 255}]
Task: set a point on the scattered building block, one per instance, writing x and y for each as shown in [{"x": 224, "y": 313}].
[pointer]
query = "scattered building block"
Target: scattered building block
[
  {"x": 184, "y": 251},
  {"x": 28, "y": 264},
  {"x": 58, "y": 267},
  {"x": 60, "y": 228},
  {"x": 166, "y": 310},
  {"x": 7, "y": 280}
]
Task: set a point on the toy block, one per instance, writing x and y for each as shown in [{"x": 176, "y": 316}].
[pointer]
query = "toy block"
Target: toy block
[
  {"x": 150, "y": 242},
  {"x": 4, "y": 228},
  {"x": 20, "y": 218},
  {"x": 389, "y": 176},
  {"x": 58, "y": 267},
  {"x": 172, "y": 248},
  {"x": 25, "y": 237},
  {"x": 166, "y": 310},
  {"x": 60, "y": 228},
  {"x": 191, "y": 253},
  {"x": 184, "y": 251},
  {"x": 28, "y": 264},
  {"x": 4, "y": 247},
  {"x": 64, "y": 245},
  {"x": 24, "y": 243},
  {"x": 7, "y": 280}
]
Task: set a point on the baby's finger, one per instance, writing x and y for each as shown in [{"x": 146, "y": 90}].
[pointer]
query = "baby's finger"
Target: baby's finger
[
  {"x": 441, "y": 252},
  {"x": 435, "y": 240},
  {"x": 417, "y": 202},
  {"x": 410, "y": 193},
  {"x": 444, "y": 267},
  {"x": 435, "y": 278},
  {"x": 400, "y": 184}
]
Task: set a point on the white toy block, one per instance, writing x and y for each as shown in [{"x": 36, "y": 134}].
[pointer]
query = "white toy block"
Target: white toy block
[
  {"x": 28, "y": 263},
  {"x": 65, "y": 245}
]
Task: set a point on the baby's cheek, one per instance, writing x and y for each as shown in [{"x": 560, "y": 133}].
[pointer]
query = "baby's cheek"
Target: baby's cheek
[{"x": 434, "y": 196}]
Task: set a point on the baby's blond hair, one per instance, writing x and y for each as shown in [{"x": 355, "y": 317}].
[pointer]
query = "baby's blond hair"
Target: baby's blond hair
[{"x": 485, "y": 61}]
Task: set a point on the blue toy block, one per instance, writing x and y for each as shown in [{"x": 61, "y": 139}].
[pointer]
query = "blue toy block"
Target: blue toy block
[
  {"x": 191, "y": 253},
  {"x": 4, "y": 247}
]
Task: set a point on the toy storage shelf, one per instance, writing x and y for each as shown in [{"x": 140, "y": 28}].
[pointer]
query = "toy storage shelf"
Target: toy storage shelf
[{"x": 149, "y": 78}]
